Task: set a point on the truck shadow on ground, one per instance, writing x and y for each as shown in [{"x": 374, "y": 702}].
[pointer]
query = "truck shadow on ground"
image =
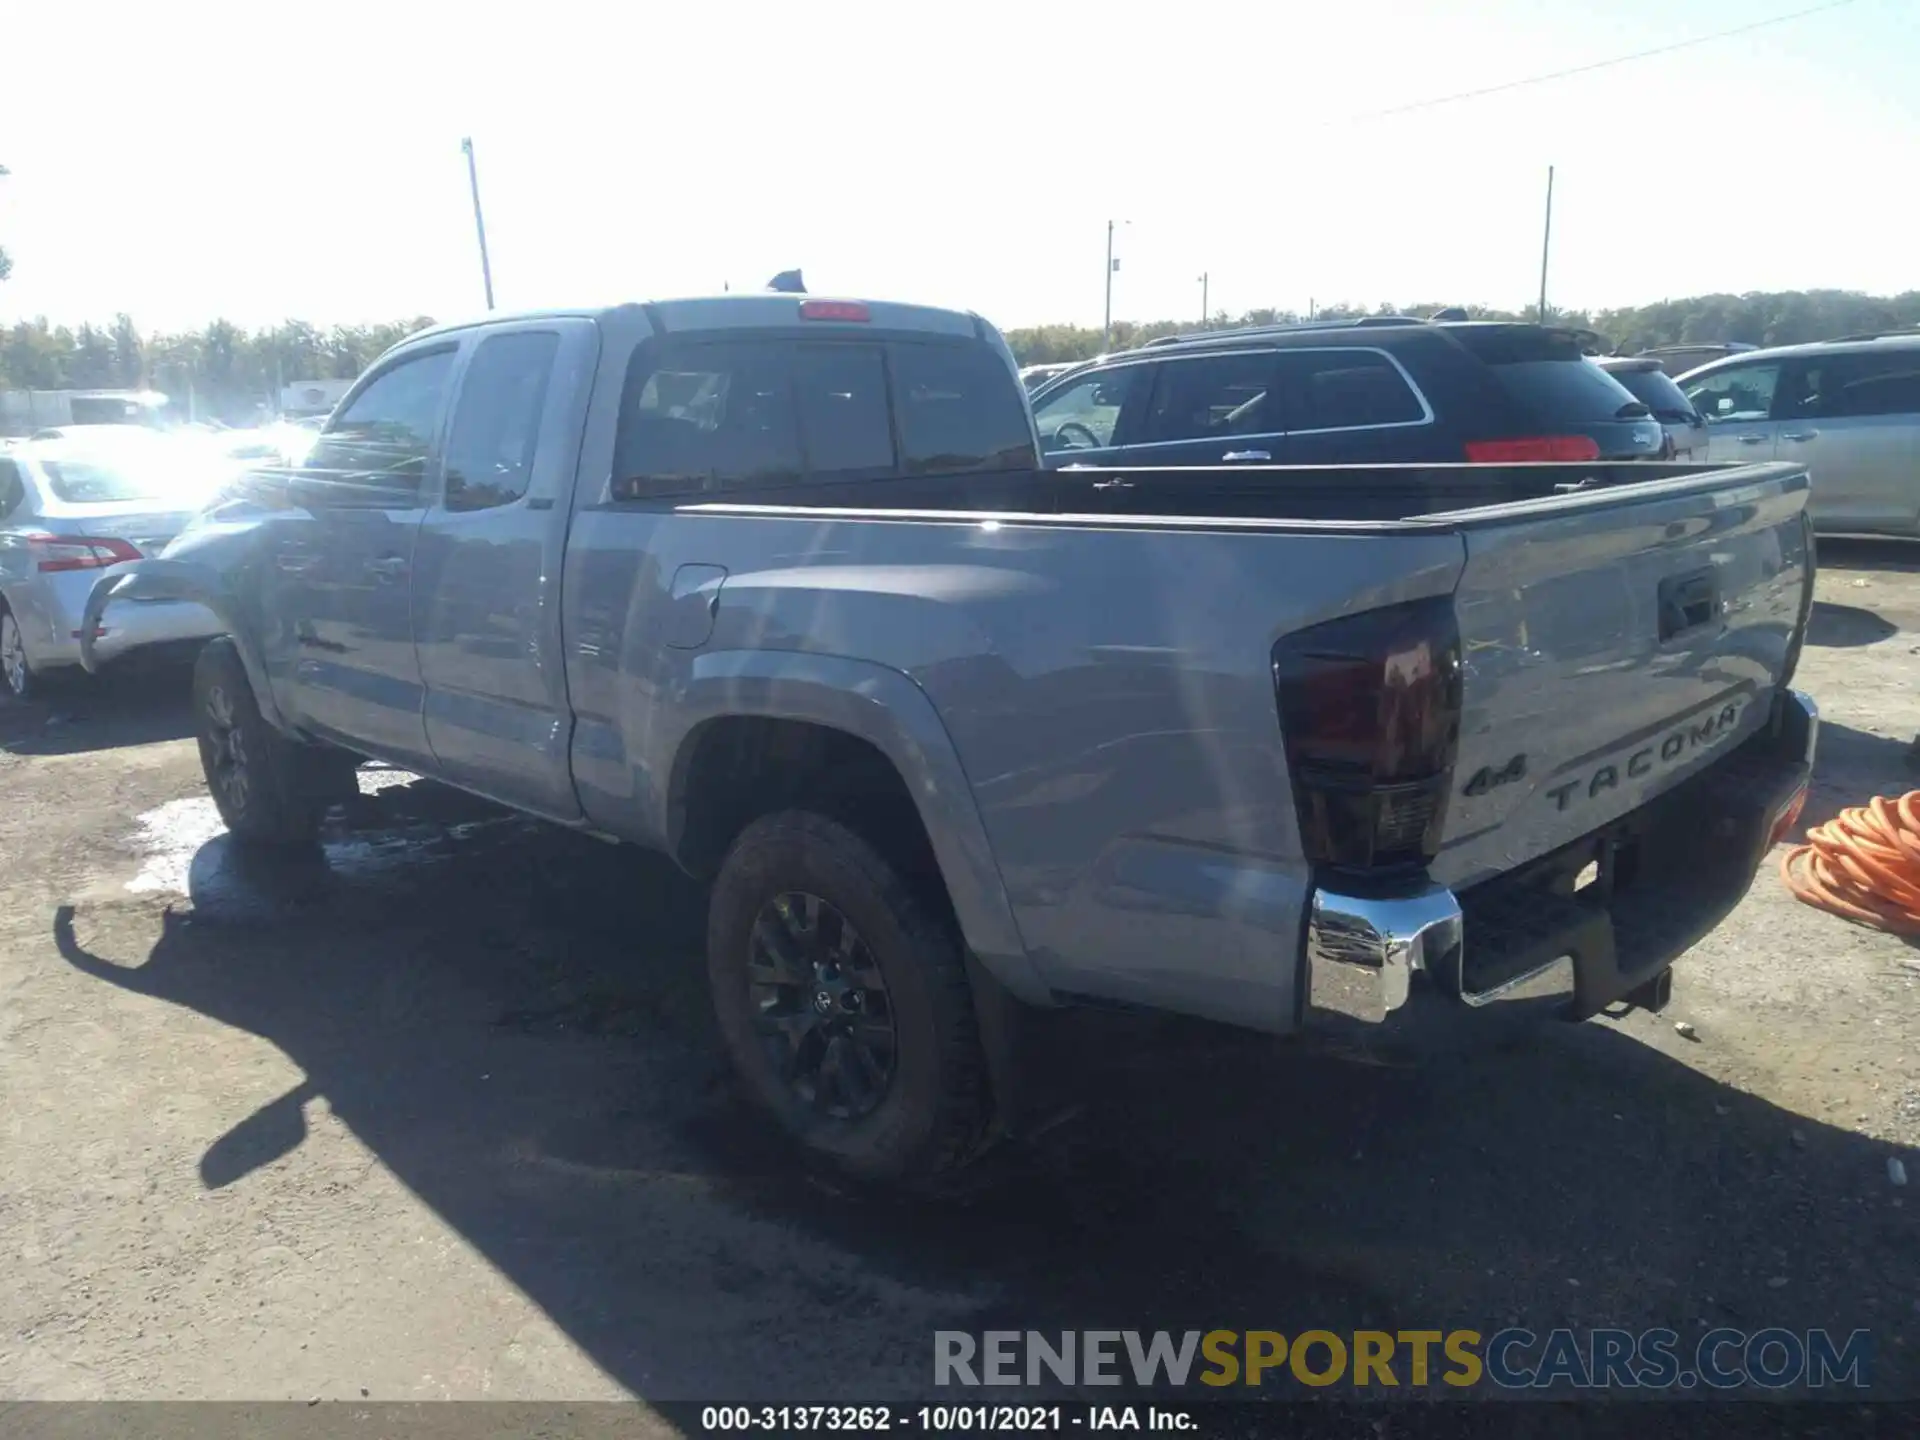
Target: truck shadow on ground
[
  {"x": 1845, "y": 627},
  {"x": 513, "y": 1021}
]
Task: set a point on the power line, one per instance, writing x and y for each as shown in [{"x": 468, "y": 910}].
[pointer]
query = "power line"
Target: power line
[{"x": 1506, "y": 85}]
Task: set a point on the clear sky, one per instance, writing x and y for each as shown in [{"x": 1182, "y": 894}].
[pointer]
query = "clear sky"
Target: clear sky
[{"x": 263, "y": 160}]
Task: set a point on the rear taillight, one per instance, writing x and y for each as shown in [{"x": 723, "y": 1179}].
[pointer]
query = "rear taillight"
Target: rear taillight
[
  {"x": 54, "y": 553},
  {"x": 1531, "y": 448},
  {"x": 1370, "y": 718}
]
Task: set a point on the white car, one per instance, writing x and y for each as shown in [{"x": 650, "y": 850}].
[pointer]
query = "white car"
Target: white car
[{"x": 70, "y": 508}]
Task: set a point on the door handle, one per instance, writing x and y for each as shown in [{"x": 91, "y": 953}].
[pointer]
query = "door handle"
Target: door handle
[
  {"x": 295, "y": 564},
  {"x": 1233, "y": 455},
  {"x": 1113, "y": 484},
  {"x": 388, "y": 567},
  {"x": 1800, "y": 435},
  {"x": 1753, "y": 439}
]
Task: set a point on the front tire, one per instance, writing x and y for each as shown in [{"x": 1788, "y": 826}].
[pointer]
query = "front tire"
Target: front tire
[
  {"x": 843, "y": 1001},
  {"x": 265, "y": 786}
]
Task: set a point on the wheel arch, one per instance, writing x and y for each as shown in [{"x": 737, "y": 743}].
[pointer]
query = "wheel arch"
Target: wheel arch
[
  {"x": 162, "y": 579},
  {"x": 803, "y": 719}
]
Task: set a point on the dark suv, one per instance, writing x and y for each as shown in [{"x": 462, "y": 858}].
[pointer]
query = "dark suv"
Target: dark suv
[{"x": 1359, "y": 393}]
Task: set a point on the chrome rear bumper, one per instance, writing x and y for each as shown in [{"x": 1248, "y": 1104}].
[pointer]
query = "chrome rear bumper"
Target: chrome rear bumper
[{"x": 1542, "y": 941}]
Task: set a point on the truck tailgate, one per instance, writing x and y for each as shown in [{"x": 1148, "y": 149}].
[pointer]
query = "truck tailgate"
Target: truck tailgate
[{"x": 1613, "y": 648}]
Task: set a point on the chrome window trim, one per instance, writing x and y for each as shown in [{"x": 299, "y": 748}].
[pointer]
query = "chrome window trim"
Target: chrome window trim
[{"x": 1426, "y": 409}]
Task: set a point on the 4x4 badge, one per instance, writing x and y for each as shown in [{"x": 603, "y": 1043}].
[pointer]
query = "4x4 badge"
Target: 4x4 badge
[{"x": 1487, "y": 777}]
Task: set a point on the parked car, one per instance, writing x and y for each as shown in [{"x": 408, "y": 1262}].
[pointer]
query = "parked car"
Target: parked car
[
  {"x": 1384, "y": 390},
  {"x": 1849, "y": 410},
  {"x": 1034, "y": 376},
  {"x": 1685, "y": 427},
  {"x": 777, "y": 585},
  {"x": 70, "y": 509},
  {"x": 1678, "y": 359}
]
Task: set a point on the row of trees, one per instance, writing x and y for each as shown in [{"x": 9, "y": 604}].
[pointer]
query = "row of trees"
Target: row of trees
[
  {"x": 1787, "y": 317},
  {"x": 226, "y": 371}
]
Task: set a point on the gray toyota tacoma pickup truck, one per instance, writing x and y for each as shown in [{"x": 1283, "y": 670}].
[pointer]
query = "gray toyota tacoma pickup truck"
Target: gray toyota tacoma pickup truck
[{"x": 778, "y": 586}]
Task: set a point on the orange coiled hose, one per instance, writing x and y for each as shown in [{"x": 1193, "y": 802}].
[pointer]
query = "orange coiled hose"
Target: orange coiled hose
[{"x": 1863, "y": 864}]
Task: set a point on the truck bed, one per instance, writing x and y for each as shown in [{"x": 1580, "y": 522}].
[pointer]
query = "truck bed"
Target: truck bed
[{"x": 1337, "y": 494}]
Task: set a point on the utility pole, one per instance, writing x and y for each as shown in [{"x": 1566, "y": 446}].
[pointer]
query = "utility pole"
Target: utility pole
[
  {"x": 479, "y": 222},
  {"x": 1106, "y": 325},
  {"x": 1204, "y": 311},
  {"x": 1546, "y": 242}
]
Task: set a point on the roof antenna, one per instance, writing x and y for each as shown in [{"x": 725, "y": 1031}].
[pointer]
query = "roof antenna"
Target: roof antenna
[{"x": 788, "y": 282}]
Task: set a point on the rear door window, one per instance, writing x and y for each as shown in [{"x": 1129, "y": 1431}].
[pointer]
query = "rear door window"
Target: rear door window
[
  {"x": 496, "y": 422},
  {"x": 959, "y": 410},
  {"x": 704, "y": 418},
  {"x": 1347, "y": 390},
  {"x": 1737, "y": 395},
  {"x": 1208, "y": 397},
  {"x": 1838, "y": 387}
]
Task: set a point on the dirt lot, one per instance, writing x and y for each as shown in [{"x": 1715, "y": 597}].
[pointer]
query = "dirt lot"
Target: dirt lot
[{"x": 444, "y": 1117}]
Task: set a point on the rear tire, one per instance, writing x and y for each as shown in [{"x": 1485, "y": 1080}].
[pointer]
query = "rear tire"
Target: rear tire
[
  {"x": 15, "y": 673},
  {"x": 270, "y": 790},
  {"x": 815, "y": 947}
]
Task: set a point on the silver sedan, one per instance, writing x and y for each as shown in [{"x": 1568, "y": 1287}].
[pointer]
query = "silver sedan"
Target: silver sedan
[{"x": 72, "y": 507}]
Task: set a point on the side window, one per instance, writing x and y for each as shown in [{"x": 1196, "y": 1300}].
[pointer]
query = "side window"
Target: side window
[
  {"x": 1857, "y": 386},
  {"x": 702, "y": 418},
  {"x": 1213, "y": 396},
  {"x": 12, "y": 488},
  {"x": 496, "y": 422},
  {"x": 959, "y": 409},
  {"x": 1740, "y": 394},
  {"x": 1348, "y": 390},
  {"x": 375, "y": 451},
  {"x": 1086, "y": 414},
  {"x": 844, "y": 425}
]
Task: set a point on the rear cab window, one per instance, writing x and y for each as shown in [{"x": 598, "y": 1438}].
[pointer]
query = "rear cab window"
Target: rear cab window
[
  {"x": 1548, "y": 377},
  {"x": 958, "y": 412},
  {"x": 703, "y": 417}
]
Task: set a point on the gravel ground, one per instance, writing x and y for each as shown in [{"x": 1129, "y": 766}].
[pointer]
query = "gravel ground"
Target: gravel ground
[{"x": 445, "y": 1117}]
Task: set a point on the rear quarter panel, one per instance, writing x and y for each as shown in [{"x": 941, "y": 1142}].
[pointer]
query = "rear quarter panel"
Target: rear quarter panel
[{"x": 1106, "y": 690}]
